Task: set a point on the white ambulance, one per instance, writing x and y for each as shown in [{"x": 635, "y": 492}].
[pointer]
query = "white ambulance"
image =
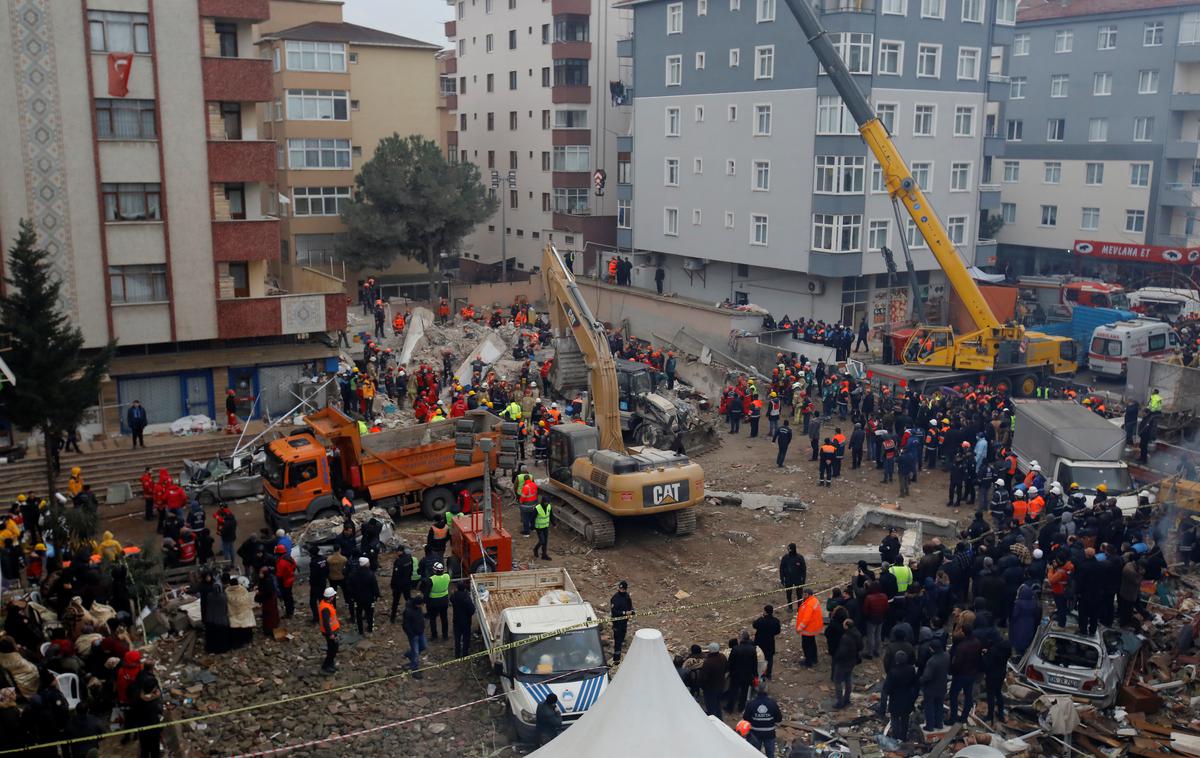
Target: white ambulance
[{"x": 1113, "y": 344}]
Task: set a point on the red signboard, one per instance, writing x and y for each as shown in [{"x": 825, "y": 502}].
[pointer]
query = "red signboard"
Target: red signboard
[{"x": 1123, "y": 251}]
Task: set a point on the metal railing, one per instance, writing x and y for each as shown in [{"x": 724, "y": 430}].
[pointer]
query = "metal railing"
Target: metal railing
[
  {"x": 322, "y": 261},
  {"x": 989, "y": 187},
  {"x": 844, "y": 6},
  {"x": 999, "y": 78}
]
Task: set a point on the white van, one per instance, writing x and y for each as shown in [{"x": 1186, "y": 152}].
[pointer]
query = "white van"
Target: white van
[
  {"x": 1167, "y": 303},
  {"x": 1113, "y": 344}
]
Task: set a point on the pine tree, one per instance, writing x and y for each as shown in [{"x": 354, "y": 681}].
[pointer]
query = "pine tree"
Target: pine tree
[{"x": 57, "y": 381}]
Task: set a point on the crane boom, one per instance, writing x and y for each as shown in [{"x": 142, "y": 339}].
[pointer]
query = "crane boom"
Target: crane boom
[
  {"x": 568, "y": 310},
  {"x": 896, "y": 174}
]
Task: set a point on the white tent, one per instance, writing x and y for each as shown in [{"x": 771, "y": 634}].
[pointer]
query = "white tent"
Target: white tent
[{"x": 646, "y": 711}]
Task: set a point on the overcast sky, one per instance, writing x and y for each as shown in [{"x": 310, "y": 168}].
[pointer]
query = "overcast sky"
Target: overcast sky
[{"x": 420, "y": 19}]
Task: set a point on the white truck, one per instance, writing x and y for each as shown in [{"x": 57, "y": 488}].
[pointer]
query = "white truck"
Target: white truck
[
  {"x": 513, "y": 606},
  {"x": 1074, "y": 444}
]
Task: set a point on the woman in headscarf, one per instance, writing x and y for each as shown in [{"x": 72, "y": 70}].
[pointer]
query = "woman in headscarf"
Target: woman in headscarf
[
  {"x": 214, "y": 613},
  {"x": 268, "y": 598},
  {"x": 1026, "y": 615},
  {"x": 241, "y": 612}
]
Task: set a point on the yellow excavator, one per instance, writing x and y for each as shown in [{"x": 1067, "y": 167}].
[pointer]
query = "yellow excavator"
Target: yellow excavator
[
  {"x": 1008, "y": 350},
  {"x": 592, "y": 475}
]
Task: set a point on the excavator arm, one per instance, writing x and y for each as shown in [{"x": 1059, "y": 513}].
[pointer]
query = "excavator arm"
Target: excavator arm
[{"x": 568, "y": 310}]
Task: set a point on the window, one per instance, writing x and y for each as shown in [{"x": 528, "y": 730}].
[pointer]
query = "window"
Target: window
[
  {"x": 968, "y": 63},
  {"x": 762, "y": 176},
  {"x": 546, "y": 76},
  {"x": 624, "y": 172},
  {"x": 758, "y": 229},
  {"x": 730, "y": 167},
  {"x": 571, "y": 118},
  {"x": 836, "y": 233},
  {"x": 675, "y": 18},
  {"x": 1064, "y": 40},
  {"x": 701, "y": 7},
  {"x": 1189, "y": 28},
  {"x": 116, "y": 32},
  {"x": 318, "y": 105},
  {"x": 1148, "y": 82},
  {"x": 960, "y": 177},
  {"x": 1006, "y": 12},
  {"x": 138, "y": 284},
  {"x": 1020, "y": 45},
  {"x": 887, "y": 116},
  {"x": 1106, "y": 39},
  {"x": 624, "y": 215},
  {"x": 764, "y": 62},
  {"x": 697, "y": 217},
  {"x": 512, "y": 39},
  {"x": 545, "y": 119},
  {"x": 489, "y": 43},
  {"x": 674, "y": 70},
  {"x": 1013, "y": 130},
  {"x": 1016, "y": 87},
  {"x": 877, "y": 234},
  {"x": 671, "y": 172},
  {"x": 933, "y": 8},
  {"x": 729, "y": 219},
  {"x": 132, "y": 202},
  {"x": 671, "y": 221},
  {"x": 1056, "y": 129},
  {"x": 1143, "y": 128},
  {"x": 762, "y": 120},
  {"x": 972, "y": 10},
  {"x": 891, "y": 57},
  {"x": 573, "y": 72},
  {"x": 964, "y": 121},
  {"x": 487, "y": 7},
  {"x": 895, "y": 7},
  {"x": 699, "y": 113},
  {"x": 512, "y": 80},
  {"x": 1102, "y": 83},
  {"x": 922, "y": 174},
  {"x": 1135, "y": 221},
  {"x": 1008, "y": 212},
  {"x": 833, "y": 116},
  {"x": 1152, "y": 34},
  {"x": 956, "y": 229},
  {"x": 877, "y": 185},
  {"x": 573, "y": 158},
  {"x": 1094, "y": 174},
  {"x": 125, "y": 119},
  {"x": 573, "y": 200},
  {"x": 923, "y": 120},
  {"x": 697, "y": 165},
  {"x": 1097, "y": 130},
  {"x": 546, "y": 37},
  {"x": 673, "y": 120},
  {"x": 1052, "y": 172},
  {"x": 490, "y": 83},
  {"x": 839, "y": 174},
  {"x": 1012, "y": 172},
  {"x": 1090, "y": 219},
  {"x": 546, "y": 162},
  {"x": 735, "y": 57},
  {"x": 699, "y": 61},
  {"x": 318, "y": 153},
  {"x": 929, "y": 61},
  {"x": 731, "y": 113},
  {"x": 1139, "y": 174},
  {"x": 764, "y": 11},
  {"x": 227, "y": 43},
  {"x": 1058, "y": 85},
  {"x": 735, "y": 5},
  {"x": 912, "y": 235},
  {"x": 491, "y": 121},
  {"x": 1049, "y": 215},
  {"x": 854, "y": 49},
  {"x": 319, "y": 201}
]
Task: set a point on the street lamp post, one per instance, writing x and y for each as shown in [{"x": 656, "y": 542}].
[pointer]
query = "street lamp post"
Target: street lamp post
[{"x": 497, "y": 182}]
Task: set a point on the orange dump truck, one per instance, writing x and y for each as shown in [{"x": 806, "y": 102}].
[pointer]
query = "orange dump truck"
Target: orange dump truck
[{"x": 418, "y": 469}]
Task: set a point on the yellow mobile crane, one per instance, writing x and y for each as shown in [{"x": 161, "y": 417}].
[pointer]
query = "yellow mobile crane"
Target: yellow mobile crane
[
  {"x": 1005, "y": 349},
  {"x": 592, "y": 475}
]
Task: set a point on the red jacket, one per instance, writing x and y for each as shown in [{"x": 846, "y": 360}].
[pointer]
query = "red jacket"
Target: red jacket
[
  {"x": 176, "y": 497},
  {"x": 147, "y": 485},
  {"x": 285, "y": 570},
  {"x": 875, "y": 607}
]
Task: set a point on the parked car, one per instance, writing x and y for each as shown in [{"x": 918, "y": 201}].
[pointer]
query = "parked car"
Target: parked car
[
  {"x": 216, "y": 480},
  {"x": 1089, "y": 667}
]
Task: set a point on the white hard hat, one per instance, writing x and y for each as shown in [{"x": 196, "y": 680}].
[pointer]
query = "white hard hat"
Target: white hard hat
[
  {"x": 364, "y": 561},
  {"x": 1033, "y": 490},
  {"x": 330, "y": 592},
  {"x": 1037, "y": 552},
  {"x": 438, "y": 568},
  {"x": 999, "y": 482},
  {"x": 1056, "y": 488},
  {"x": 1036, "y": 467},
  {"x": 553, "y": 405},
  {"x": 1033, "y": 464}
]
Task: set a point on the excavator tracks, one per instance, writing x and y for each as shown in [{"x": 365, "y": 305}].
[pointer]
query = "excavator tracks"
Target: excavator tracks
[
  {"x": 589, "y": 522},
  {"x": 679, "y": 523}
]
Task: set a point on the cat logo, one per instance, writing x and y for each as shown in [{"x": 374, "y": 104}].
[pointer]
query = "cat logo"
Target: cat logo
[{"x": 670, "y": 493}]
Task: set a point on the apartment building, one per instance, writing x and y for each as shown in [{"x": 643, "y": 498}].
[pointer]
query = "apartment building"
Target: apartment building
[
  {"x": 746, "y": 179},
  {"x": 338, "y": 88},
  {"x": 136, "y": 149},
  {"x": 1101, "y": 157},
  {"x": 541, "y": 97}
]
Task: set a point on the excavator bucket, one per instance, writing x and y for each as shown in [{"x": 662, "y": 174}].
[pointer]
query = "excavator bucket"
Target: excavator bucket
[{"x": 700, "y": 437}]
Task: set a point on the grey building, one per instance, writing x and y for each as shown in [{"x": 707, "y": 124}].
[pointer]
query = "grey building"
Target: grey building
[
  {"x": 1102, "y": 133},
  {"x": 745, "y": 177}
]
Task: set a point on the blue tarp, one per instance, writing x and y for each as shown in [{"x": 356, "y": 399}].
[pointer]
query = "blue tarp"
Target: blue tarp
[{"x": 1084, "y": 320}]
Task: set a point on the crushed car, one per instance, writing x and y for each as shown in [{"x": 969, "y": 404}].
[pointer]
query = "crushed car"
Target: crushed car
[
  {"x": 323, "y": 533},
  {"x": 1090, "y": 667},
  {"x": 219, "y": 479}
]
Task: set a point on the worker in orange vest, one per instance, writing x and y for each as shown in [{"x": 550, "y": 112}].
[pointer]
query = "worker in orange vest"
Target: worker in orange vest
[
  {"x": 327, "y": 613},
  {"x": 148, "y": 493},
  {"x": 809, "y": 623},
  {"x": 398, "y": 324},
  {"x": 1036, "y": 503},
  {"x": 1020, "y": 506},
  {"x": 527, "y": 501},
  {"x": 612, "y": 270}
]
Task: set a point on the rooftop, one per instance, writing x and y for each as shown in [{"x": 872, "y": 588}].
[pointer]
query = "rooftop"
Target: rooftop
[
  {"x": 324, "y": 31},
  {"x": 1041, "y": 10}
]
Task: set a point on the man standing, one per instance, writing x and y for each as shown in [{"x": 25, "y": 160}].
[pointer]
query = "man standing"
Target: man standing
[
  {"x": 405, "y": 573},
  {"x": 766, "y": 629},
  {"x": 136, "y": 420},
  {"x": 541, "y": 524},
  {"x": 1131, "y": 419},
  {"x": 669, "y": 369},
  {"x": 363, "y": 589},
  {"x": 414, "y": 628},
  {"x": 285, "y": 575},
  {"x": 712, "y": 679},
  {"x": 828, "y": 456},
  {"x": 318, "y": 576},
  {"x": 743, "y": 667},
  {"x": 227, "y": 530},
  {"x": 620, "y": 608},
  {"x": 763, "y": 714},
  {"x": 548, "y": 719},
  {"x": 774, "y": 410},
  {"x": 809, "y": 623},
  {"x": 857, "y": 438},
  {"x": 863, "y": 331},
  {"x": 659, "y": 276},
  {"x": 783, "y": 438},
  {"x": 793, "y": 572},
  {"x": 464, "y": 610},
  {"x": 148, "y": 493},
  {"x": 329, "y": 628},
  {"x": 437, "y": 589}
]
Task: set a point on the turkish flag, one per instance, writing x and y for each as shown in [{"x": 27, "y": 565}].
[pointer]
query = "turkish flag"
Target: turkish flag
[{"x": 119, "y": 65}]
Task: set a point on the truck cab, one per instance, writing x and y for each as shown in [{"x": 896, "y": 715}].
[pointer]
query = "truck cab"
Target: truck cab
[{"x": 297, "y": 483}]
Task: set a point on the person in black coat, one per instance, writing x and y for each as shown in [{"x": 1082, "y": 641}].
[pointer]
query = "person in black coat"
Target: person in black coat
[
  {"x": 933, "y": 684},
  {"x": 464, "y": 609},
  {"x": 996, "y": 653},
  {"x": 743, "y": 668},
  {"x": 845, "y": 658},
  {"x": 793, "y": 572},
  {"x": 363, "y": 588},
  {"x": 766, "y": 629},
  {"x": 901, "y": 688},
  {"x": 413, "y": 623},
  {"x": 620, "y": 606},
  {"x": 548, "y": 719}
]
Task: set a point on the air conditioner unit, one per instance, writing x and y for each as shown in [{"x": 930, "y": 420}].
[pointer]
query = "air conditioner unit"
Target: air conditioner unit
[
  {"x": 694, "y": 264},
  {"x": 816, "y": 287}
]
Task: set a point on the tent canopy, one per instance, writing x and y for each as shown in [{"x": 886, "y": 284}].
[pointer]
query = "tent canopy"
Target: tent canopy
[
  {"x": 980, "y": 275},
  {"x": 646, "y": 711}
]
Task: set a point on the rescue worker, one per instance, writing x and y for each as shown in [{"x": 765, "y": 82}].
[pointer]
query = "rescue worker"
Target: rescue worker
[
  {"x": 1036, "y": 504},
  {"x": 1020, "y": 506},
  {"x": 437, "y": 589},
  {"x": 1155, "y": 403},
  {"x": 285, "y": 577},
  {"x": 327, "y": 611},
  {"x": 75, "y": 482},
  {"x": 318, "y": 576},
  {"x": 774, "y": 409},
  {"x": 541, "y": 523},
  {"x": 1000, "y": 505},
  {"x": 809, "y": 623},
  {"x": 437, "y": 536},
  {"x": 753, "y": 414},
  {"x": 783, "y": 438},
  {"x": 147, "y": 493},
  {"x": 828, "y": 453},
  {"x": 763, "y": 713},
  {"x": 527, "y": 498},
  {"x": 962, "y": 467},
  {"x": 620, "y": 607},
  {"x": 903, "y": 575}
]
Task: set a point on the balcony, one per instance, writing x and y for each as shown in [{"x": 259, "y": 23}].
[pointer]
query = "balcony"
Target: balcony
[
  {"x": 450, "y": 102},
  {"x": 1185, "y": 101},
  {"x": 625, "y": 48},
  {"x": 624, "y": 238},
  {"x": 560, "y": 94},
  {"x": 243, "y": 10},
  {"x": 288, "y": 314},
  {"x": 1187, "y": 150},
  {"x": 237, "y": 79},
  {"x": 452, "y": 65},
  {"x": 241, "y": 161},
  {"x": 625, "y": 144},
  {"x": 834, "y": 265},
  {"x": 989, "y": 196},
  {"x": 451, "y": 29},
  {"x": 997, "y": 88},
  {"x": 985, "y": 252},
  {"x": 599, "y": 229},
  {"x": 576, "y": 7},
  {"x": 1179, "y": 195},
  {"x": 993, "y": 145},
  {"x": 571, "y": 179},
  {"x": 565, "y": 49},
  {"x": 246, "y": 240},
  {"x": 1187, "y": 53},
  {"x": 844, "y": 6},
  {"x": 563, "y": 137}
]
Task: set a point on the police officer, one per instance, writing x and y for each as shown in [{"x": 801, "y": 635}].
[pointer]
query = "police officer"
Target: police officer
[
  {"x": 541, "y": 524},
  {"x": 437, "y": 589},
  {"x": 329, "y": 628},
  {"x": 783, "y": 438},
  {"x": 620, "y": 607}
]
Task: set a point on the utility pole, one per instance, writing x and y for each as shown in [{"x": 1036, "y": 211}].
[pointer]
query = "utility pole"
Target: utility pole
[{"x": 510, "y": 182}]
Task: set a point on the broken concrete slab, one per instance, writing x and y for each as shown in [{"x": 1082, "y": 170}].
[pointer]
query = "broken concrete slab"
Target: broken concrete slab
[
  {"x": 489, "y": 350},
  {"x": 754, "y": 501},
  {"x": 916, "y": 526},
  {"x": 421, "y": 319}
]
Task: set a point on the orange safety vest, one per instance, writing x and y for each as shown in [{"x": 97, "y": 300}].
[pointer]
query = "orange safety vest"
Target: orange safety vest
[
  {"x": 1035, "y": 506},
  {"x": 439, "y": 532},
  {"x": 1029, "y": 478},
  {"x": 1020, "y": 510},
  {"x": 323, "y": 606},
  {"x": 529, "y": 492},
  {"x": 809, "y": 621}
]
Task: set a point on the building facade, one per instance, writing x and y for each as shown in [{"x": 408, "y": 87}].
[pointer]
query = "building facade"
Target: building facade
[
  {"x": 136, "y": 149},
  {"x": 746, "y": 178},
  {"x": 540, "y": 93},
  {"x": 1102, "y": 145},
  {"x": 338, "y": 89}
]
